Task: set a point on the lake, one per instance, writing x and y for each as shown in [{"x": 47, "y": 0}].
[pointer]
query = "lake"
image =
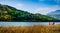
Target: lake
[{"x": 24, "y": 23}]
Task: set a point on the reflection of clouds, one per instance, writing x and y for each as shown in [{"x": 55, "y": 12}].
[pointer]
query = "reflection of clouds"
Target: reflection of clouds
[
  {"x": 21, "y": 23},
  {"x": 24, "y": 23}
]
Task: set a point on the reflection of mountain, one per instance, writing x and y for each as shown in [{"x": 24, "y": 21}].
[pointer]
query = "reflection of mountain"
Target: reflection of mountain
[
  {"x": 8, "y": 13},
  {"x": 55, "y": 14}
]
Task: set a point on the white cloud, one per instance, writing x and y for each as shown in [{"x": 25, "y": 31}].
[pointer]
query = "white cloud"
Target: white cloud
[
  {"x": 47, "y": 9},
  {"x": 18, "y": 5}
]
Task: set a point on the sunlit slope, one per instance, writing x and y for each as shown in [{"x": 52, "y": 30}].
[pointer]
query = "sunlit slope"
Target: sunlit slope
[{"x": 8, "y": 13}]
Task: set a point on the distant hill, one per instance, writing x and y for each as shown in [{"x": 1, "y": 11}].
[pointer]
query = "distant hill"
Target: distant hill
[
  {"x": 55, "y": 14},
  {"x": 8, "y": 13}
]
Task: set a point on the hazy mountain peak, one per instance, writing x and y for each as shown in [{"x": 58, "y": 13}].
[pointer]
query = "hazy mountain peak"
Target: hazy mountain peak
[{"x": 55, "y": 14}]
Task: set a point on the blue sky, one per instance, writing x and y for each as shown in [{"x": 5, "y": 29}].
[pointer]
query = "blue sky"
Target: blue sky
[{"x": 34, "y": 6}]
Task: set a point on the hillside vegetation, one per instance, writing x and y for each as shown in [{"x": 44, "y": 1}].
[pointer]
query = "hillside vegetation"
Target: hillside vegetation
[
  {"x": 8, "y": 13},
  {"x": 31, "y": 29}
]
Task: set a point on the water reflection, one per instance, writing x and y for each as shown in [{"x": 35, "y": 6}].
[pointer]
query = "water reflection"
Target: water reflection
[{"x": 23, "y": 23}]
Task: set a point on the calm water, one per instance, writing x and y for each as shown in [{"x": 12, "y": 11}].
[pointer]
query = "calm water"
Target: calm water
[{"x": 23, "y": 23}]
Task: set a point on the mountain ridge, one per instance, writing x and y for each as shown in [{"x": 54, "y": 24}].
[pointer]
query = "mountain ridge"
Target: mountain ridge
[
  {"x": 55, "y": 14},
  {"x": 8, "y": 13}
]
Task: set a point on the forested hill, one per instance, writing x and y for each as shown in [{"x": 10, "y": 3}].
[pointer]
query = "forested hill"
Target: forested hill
[{"x": 8, "y": 13}]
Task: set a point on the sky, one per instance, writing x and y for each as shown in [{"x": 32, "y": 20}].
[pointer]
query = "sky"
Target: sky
[{"x": 34, "y": 6}]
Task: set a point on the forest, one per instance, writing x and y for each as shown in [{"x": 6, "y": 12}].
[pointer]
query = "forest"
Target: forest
[{"x": 10, "y": 14}]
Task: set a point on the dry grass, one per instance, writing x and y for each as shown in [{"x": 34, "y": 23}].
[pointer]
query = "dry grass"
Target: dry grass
[{"x": 31, "y": 29}]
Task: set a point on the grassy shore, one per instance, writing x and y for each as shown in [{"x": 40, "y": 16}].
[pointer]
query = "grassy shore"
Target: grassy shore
[{"x": 31, "y": 29}]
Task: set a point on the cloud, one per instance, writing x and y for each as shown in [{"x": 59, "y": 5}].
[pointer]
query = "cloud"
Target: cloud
[
  {"x": 46, "y": 9},
  {"x": 18, "y": 5}
]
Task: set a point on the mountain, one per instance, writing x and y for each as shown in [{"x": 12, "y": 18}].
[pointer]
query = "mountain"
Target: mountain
[
  {"x": 55, "y": 14},
  {"x": 8, "y": 13}
]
